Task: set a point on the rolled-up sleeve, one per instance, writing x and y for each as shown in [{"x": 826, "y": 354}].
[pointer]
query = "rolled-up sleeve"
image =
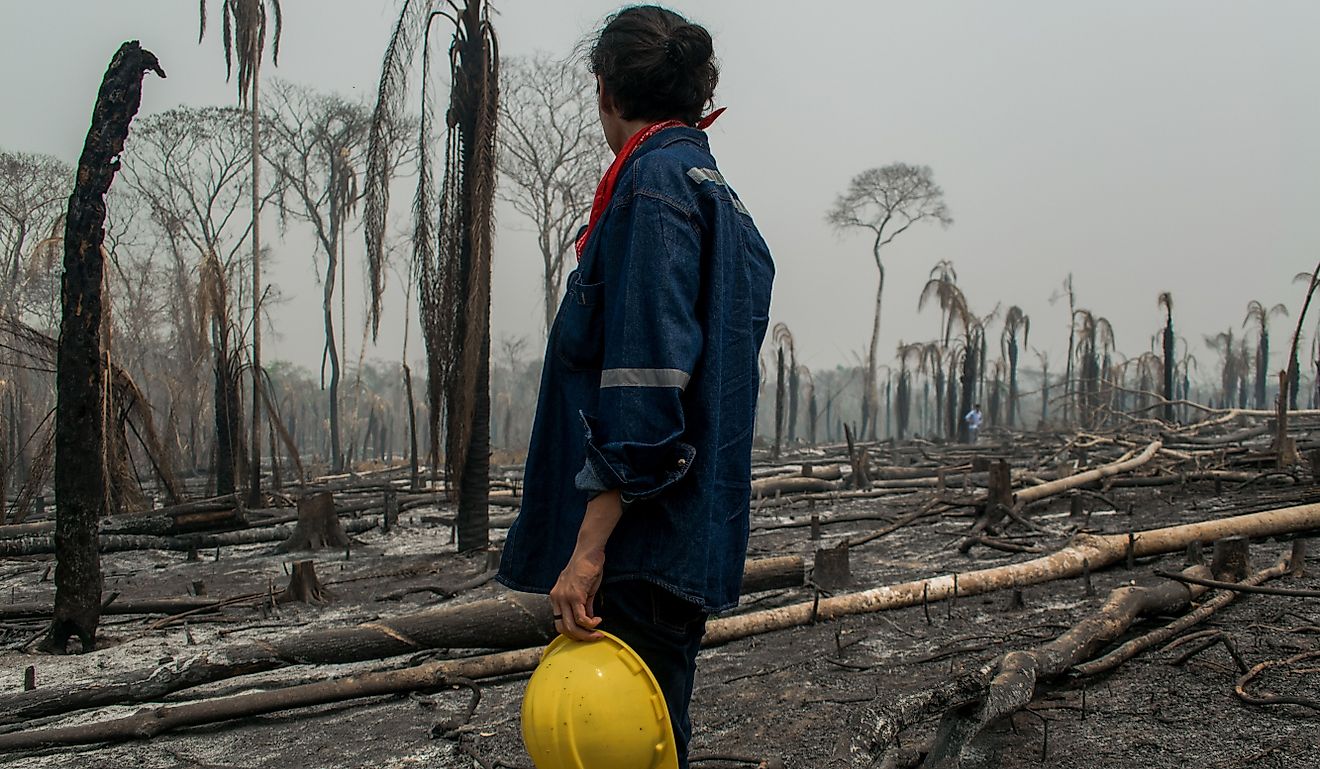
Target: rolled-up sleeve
[{"x": 652, "y": 341}]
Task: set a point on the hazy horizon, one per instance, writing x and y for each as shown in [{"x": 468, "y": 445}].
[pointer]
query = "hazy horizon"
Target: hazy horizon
[{"x": 1142, "y": 148}]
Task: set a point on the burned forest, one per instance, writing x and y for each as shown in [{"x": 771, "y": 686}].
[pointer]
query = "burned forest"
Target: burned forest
[{"x": 272, "y": 340}]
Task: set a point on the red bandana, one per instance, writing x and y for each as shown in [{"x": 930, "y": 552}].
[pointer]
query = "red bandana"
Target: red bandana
[{"x": 605, "y": 190}]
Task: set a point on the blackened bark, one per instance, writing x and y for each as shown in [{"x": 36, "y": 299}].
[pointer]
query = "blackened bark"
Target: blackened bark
[
  {"x": 779, "y": 405},
  {"x": 969, "y": 378},
  {"x": 474, "y": 495},
  {"x": 1169, "y": 363},
  {"x": 228, "y": 416},
  {"x": 80, "y": 418},
  {"x": 413, "y": 475}
]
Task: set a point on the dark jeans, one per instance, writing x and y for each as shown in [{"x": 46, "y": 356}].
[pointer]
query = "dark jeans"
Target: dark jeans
[{"x": 665, "y": 631}]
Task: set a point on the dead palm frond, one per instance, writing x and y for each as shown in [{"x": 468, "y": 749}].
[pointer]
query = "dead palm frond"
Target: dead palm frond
[{"x": 246, "y": 23}]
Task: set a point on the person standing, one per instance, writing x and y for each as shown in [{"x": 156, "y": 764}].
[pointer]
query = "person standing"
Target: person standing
[
  {"x": 638, "y": 477},
  {"x": 973, "y": 420}
]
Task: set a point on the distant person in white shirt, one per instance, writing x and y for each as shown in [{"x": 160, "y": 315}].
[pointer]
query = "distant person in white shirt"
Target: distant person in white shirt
[{"x": 973, "y": 420}]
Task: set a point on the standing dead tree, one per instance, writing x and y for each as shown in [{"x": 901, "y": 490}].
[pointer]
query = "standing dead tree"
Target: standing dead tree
[
  {"x": 550, "y": 153},
  {"x": 245, "y": 31},
  {"x": 318, "y": 145},
  {"x": 1260, "y": 315},
  {"x": 1016, "y": 323},
  {"x": 1169, "y": 361},
  {"x": 886, "y": 201},
  {"x": 192, "y": 167},
  {"x": 31, "y": 189},
  {"x": 80, "y": 429},
  {"x": 453, "y": 272}
]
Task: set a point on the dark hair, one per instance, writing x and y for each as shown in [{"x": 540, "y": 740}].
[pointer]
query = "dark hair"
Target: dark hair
[{"x": 655, "y": 65}]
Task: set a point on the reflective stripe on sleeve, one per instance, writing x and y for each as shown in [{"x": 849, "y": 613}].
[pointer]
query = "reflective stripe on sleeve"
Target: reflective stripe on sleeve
[
  {"x": 644, "y": 377},
  {"x": 700, "y": 175}
]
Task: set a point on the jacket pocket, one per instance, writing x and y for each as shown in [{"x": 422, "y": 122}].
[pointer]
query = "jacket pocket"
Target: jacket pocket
[{"x": 580, "y": 328}]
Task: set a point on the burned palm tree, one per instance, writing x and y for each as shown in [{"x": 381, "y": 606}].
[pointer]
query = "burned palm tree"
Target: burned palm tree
[
  {"x": 1230, "y": 369},
  {"x": 931, "y": 363},
  {"x": 784, "y": 339},
  {"x": 779, "y": 403},
  {"x": 246, "y": 26},
  {"x": 942, "y": 287},
  {"x": 1095, "y": 343},
  {"x": 229, "y": 455},
  {"x": 970, "y": 356},
  {"x": 907, "y": 353},
  {"x": 1016, "y": 323},
  {"x": 1069, "y": 385},
  {"x": 1258, "y": 314},
  {"x": 1166, "y": 302},
  {"x": 1043, "y": 358},
  {"x": 452, "y": 260}
]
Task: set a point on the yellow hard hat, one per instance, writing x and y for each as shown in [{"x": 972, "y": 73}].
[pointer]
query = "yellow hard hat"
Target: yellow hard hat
[{"x": 595, "y": 705}]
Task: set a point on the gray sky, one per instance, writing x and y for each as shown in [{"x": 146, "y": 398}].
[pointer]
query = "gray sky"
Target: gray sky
[{"x": 1141, "y": 146}]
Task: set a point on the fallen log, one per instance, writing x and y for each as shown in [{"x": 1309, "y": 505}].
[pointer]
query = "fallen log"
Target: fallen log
[
  {"x": 150, "y": 722},
  {"x": 1096, "y": 552},
  {"x": 770, "y": 487},
  {"x": 1137, "y": 645},
  {"x": 516, "y": 621},
  {"x": 1036, "y": 493},
  {"x": 42, "y": 610},
  {"x": 511, "y": 621},
  {"x": 1013, "y": 684},
  {"x": 118, "y": 543},
  {"x": 1086, "y": 552}
]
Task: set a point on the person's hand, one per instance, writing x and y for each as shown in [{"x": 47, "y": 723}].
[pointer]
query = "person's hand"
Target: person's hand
[{"x": 574, "y": 595}]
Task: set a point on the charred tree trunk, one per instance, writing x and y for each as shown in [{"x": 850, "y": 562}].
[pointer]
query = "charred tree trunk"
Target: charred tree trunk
[
  {"x": 474, "y": 494},
  {"x": 779, "y": 406},
  {"x": 414, "y": 474},
  {"x": 812, "y": 415},
  {"x": 1044, "y": 395},
  {"x": 903, "y": 407},
  {"x": 80, "y": 417},
  {"x": 332, "y": 354},
  {"x": 465, "y": 233},
  {"x": 952, "y": 417},
  {"x": 968, "y": 392},
  {"x": 1169, "y": 362},
  {"x": 228, "y": 419},
  {"x": 793, "y": 382}
]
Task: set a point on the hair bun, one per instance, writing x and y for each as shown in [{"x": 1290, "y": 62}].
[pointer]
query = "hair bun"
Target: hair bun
[
  {"x": 673, "y": 51},
  {"x": 689, "y": 45}
]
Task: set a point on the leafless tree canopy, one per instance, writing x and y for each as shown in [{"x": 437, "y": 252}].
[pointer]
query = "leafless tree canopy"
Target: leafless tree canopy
[
  {"x": 886, "y": 201},
  {"x": 317, "y": 145},
  {"x": 33, "y": 192},
  {"x": 551, "y": 155},
  {"x": 889, "y": 200}
]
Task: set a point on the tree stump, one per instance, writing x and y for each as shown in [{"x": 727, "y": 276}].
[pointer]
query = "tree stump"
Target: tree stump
[
  {"x": 391, "y": 518},
  {"x": 1231, "y": 561},
  {"x": 318, "y": 525},
  {"x": 831, "y": 571},
  {"x": 304, "y": 587}
]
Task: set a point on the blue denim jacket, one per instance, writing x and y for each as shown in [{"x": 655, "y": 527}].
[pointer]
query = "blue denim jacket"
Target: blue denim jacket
[{"x": 650, "y": 384}]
